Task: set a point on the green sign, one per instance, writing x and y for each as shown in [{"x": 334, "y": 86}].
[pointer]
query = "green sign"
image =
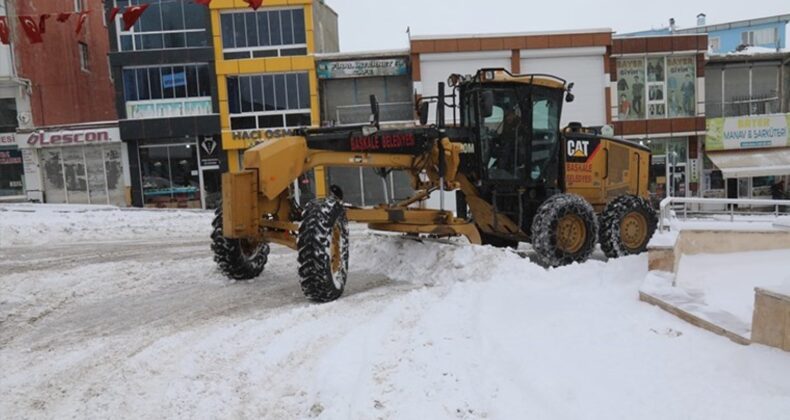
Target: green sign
[
  {"x": 748, "y": 132},
  {"x": 362, "y": 68}
]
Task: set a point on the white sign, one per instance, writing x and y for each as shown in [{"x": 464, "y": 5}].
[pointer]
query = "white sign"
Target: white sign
[
  {"x": 168, "y": 108},
  {"x": 7, "y": 138},
  {"x": 362, "y": 68},
  {"x": 61, "y": 138}
]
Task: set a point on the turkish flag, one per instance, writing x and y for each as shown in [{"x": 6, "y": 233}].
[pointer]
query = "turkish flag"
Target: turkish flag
[
  {"x": 31, "y": 29},
  {"x": 131, "y": 14},
  {"x": 4, "y": 32},
  {"x": 81, "y": 21},
  {"x": 62, "y": 17},
  {"x": 203, "y": 2},
  {"x": 255, "y": 4},
  {"x": 113, "y": 13},
  {"x": 42, "y": 23}
]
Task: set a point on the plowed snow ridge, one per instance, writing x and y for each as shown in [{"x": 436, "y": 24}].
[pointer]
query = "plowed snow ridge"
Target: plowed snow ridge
[{"x": 143, "y": 326}]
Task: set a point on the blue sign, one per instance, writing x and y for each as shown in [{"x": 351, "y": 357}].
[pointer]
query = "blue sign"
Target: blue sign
[{"x": 174, "y": 80}]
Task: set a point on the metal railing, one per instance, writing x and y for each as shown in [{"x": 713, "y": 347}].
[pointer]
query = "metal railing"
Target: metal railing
[{"x": 731, "y": 207}]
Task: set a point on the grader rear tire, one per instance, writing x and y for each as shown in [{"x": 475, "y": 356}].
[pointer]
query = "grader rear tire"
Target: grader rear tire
[
  {"x": 564, "y": 230},
  {"x": 323, "y": 249},
  {"x": 237, "y": 258},
  {"x": 627, "y": 224}
]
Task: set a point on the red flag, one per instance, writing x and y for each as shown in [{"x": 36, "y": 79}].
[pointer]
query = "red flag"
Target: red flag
[
  {"x": 4, "y": 32},
  {"x": 131, "y": 14},
  {"x": 81, "y": 21},
  {"x": 113, "y": 13},
  {"x": 255, "y": 4},
  {"x": 31, "y": 29},
  {"x": 203, "y": 2},
  {"x": 42, "y": 23},
  {"x": 62, "y": 17}
]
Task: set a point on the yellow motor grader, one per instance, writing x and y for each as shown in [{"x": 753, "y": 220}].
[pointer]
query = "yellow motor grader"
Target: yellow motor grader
[{"x": 517, "y": 176}]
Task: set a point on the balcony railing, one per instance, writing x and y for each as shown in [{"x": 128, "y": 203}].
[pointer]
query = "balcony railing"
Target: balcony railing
[{"x": 744, "y": 106}]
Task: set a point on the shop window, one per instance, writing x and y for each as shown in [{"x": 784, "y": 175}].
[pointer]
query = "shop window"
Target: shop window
[
  {"x": 761, "y": 186},
  {"x": 165, "y": 24},
  {"x": 168, "y": 91},
  {"x": 269, "y": 101},
  {"x": 170, "y": 176},
  {"x": 265, "y": 33},
  {"x": 11, "y": 173},
  {"x": 657, "y": 87},
  {"x": 83, "y": 175}
]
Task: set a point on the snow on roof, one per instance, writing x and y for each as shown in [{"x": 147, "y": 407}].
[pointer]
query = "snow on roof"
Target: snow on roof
[{"x": 752, "y": 51}]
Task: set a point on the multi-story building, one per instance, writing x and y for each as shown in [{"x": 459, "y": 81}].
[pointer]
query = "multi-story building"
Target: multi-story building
[
  {"x": 166, "y": 97},
  {"x": 767, "y": 32},
  {"x": 748, "y": 114},
  {"x": 67, "y": 131},
  {"x": 346, "y": 81},
  {"x": 14, "y": 109},
  {"x": 265, "y": 70}
]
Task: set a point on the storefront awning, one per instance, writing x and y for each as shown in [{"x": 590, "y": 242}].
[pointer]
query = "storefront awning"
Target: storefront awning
[{"x": 751, "y": 163}]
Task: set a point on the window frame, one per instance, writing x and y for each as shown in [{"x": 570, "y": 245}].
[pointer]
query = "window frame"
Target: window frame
[
  {"x": 282, "y": 113},
  {"x": 187, "y": 98},
  {"x": 84, "y": 56},
  {"x": 133, "y": 33},
  {"x": 280, "y": 49}
]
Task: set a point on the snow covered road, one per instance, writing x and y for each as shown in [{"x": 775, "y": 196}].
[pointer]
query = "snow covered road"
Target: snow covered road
[{"x": 137, "y": 323}]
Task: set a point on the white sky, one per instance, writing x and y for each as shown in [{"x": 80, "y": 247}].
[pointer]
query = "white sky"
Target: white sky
[{"x": 381, "y": 24}]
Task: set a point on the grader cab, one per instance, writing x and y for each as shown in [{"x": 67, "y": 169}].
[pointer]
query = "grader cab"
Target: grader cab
[{"x": 517, "y": 177}]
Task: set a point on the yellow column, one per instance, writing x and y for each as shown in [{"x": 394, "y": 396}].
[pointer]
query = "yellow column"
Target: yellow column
[{"x": 233, "y": 160}]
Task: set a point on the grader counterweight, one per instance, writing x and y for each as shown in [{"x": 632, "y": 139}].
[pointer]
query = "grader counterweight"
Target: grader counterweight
[{"x": 518, "y": 177}]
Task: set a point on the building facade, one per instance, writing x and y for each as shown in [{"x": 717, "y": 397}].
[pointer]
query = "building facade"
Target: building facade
[
  {"x": 346, "y": 82},
  {"x": 748, "y": 115},
  {"x": 54, "y": 102},
  {"x": 657, "y": 88},
  {"x": 166, "y": 98},
  {"x": 767, "y": 32},
  {"x": 266, "y": 72},
  {"x": 14, "y": 110}
]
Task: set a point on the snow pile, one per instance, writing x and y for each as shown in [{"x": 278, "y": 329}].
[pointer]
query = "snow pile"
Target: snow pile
[
  {"x": 727, "y": 281},
  {"x": 35, "y": 224},
  {"x": 424, "y": 330}
]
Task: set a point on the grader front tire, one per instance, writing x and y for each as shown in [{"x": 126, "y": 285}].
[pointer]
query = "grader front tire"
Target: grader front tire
[
  {"x": 323, "y": 250},
  {"x": 238, "y": 259},
  {"x": 564, "y": 230}
]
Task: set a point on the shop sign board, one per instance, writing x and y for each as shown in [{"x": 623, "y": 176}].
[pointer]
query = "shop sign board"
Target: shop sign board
[
  {"x": 362, "y": 68},
  {"x": 10, "y": 157},
  {"x": 209, "y": 152},
  {"x": 7, "y": 139},
  {"x": 61, "y": 138},
  {"x": 169, "y": 108},
  {"x": 253, "y": 137},
  {"x": 747, "y": 132}
]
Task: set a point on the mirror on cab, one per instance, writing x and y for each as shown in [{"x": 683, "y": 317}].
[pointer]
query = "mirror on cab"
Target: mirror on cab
[
  {"x": 423, "y": 112},
  {"x": 487, "y": 103},
  {"x": 569, "y": 96}
]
